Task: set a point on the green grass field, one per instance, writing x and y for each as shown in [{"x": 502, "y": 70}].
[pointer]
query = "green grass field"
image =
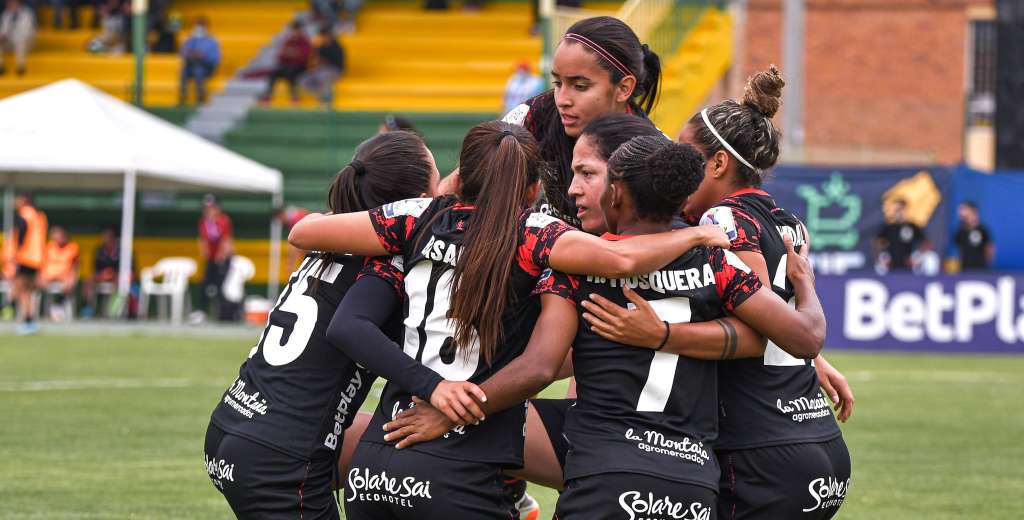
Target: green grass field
[{"x": 94, "y": 427}]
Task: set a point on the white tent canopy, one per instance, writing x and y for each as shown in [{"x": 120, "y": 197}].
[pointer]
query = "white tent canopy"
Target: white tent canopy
[{"x": 69, "y": 135}]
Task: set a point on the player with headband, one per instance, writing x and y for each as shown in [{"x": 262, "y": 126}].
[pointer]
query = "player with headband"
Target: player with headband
[
  {"x": 599, "y": 67},
  {"x": 767, "y": 470}
]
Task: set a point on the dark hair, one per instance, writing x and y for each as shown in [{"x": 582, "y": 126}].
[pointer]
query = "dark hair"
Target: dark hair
[
  {"x": 746, "y": 126},
  {"x": 296, "y": 25},
  {"x": 385, "y": 168},
  {"x": 970, "y": 204},
  {"x": 618, "y": 40},
  {"x": 660, "y": 174},
  {"x": 498, "y": 164},
  {"x": 609, "y": 132}
]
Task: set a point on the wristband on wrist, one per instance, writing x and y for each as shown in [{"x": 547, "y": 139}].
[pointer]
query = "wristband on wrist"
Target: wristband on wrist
[{"x": 664, "y": 340}]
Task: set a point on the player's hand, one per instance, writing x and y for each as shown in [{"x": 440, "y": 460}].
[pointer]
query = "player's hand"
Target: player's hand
[
  {"x": 459, "y": 401},
  {"x": 836, "y": 387},
  {"x": 639, "y": 327},
  {"x": 419, "y": 423},
  {"x": 712, "y": 235},
  {"x": 798, "y": 267}
]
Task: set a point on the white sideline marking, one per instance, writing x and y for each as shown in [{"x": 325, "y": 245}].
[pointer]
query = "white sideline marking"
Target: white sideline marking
[{"x": 98, "y": 384}]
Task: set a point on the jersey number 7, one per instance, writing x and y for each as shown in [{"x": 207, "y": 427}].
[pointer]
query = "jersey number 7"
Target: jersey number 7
[{"x": 662, "y": 373}]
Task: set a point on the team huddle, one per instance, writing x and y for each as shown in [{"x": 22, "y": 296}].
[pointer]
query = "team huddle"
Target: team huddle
[{"x": 574, "y": 240}]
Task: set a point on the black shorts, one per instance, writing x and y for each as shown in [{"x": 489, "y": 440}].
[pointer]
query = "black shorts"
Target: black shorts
[
  {"x": 617, "y": 496},
  {"x": 552, "y": 414},
  {"x": 384, "y": 483},
  {"x": 259, "y": 482},
  {"x": 26, "y": 271},
  {"x": 805, "y": 481}
]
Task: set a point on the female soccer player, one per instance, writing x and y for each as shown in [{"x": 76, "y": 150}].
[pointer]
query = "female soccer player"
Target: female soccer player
[
  {"x": 471, "y": 262},
  {"x": 650, "y": 179},
  {"x": 273, "y": 439},
  {"x": 599, "y": 68},
  {"x": 795, "y": 464}
]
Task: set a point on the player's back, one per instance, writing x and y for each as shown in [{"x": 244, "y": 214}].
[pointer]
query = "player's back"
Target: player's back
[
  {"x": 296, "y": 392},
  {"x": 431, "y": 236},
  {"x": 779, "y": 392},
  {"x": 643, "y": 411}
]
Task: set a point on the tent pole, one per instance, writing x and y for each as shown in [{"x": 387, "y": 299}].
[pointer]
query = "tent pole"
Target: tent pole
[
  {"x": 275, "y": 250},
  {"x": 124, "y": 275}
]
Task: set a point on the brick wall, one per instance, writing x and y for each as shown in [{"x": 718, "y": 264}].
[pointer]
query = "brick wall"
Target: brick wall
[{"x": 884, "y": 78}]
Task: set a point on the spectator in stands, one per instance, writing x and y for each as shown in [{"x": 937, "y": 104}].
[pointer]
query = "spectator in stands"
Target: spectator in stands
[
  {"x": 114, "y": 15},
  {"x": 523, "y": 85},
  {"x": 106, "y": 266},
  {"x": 288, "y": 217},
  {"x": 393, "y": 123},
  {"x": 216, "y": 247},
  {"x": 898, "y": 239},
  {"x": 973, "y": 240},
  {"x": 17, "y": 28},
  {"x": 292, "y": 61},
  {"x": 29, "y": 251},
  {"x": 72, "y": 7},
  {"x": 200, "y": 56},
  {"x": 60, "y": 270},
  {"x": 328, "y": 65}
]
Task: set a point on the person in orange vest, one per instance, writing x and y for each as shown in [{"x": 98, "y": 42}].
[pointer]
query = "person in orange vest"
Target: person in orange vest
[
  {"x": 60, "y": 268},
  {"x": 29, "y": 250}
]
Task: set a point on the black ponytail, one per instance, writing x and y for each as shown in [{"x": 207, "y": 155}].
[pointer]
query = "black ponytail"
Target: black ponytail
[
  {"x": 650, "y": 87},
  {"x": 385, "y": 168}
]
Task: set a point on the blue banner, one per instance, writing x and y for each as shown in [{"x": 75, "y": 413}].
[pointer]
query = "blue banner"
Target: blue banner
[
  {"x": 999, "y": 197},
  {"x": 844, "y": 208},
  {"x": 961, "y": 313}
]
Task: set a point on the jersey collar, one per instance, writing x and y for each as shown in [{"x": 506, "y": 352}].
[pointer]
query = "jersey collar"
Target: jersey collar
[{"x": 744, "y": 191}]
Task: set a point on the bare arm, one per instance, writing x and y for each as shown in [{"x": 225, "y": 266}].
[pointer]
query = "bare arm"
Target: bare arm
[
  {"x": 799, "y": 331},
  {"x": 526, "y": 375},
  {"x": 577, "y": 252},
  {"x": 539, "y": 364},
  {"x": 726, "y": 338},
  {"x": 343, "y": 233}
]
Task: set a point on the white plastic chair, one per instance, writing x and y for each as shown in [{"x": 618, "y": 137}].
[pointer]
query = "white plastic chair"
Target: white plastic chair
[
  {"x": 240, "y": 271},
  {"x": 173, "y": 273}
]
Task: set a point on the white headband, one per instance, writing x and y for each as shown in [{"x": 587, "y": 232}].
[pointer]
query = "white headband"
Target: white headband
[{"x": 707, "y": 122}]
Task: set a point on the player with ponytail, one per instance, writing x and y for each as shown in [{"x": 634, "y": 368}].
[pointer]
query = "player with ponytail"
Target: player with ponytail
[
  {"x": 275, "y": 437},
  {"x": 766, "y": 470},
  {"x": 600, "y": 67},
  {"x": 470, "y": 313}
]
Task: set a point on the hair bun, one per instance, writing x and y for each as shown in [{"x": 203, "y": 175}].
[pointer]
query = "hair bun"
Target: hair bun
[
  {"x": 764, "y": 91},
  {"x": 673, "y": 170}
]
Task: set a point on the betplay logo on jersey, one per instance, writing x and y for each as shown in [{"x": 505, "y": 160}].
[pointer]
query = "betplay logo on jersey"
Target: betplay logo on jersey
[
  {"x": 722, "y": 217},
  {"x": 640, "y": 507},
  {"x": 827, "y": 492}
]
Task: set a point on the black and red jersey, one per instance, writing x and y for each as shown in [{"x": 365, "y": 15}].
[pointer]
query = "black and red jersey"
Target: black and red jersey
[
  {"x": 773, "y": 400},
  {"x": 296, "y": 392},
  {"x": 643, "y": 411},
  {"x": 428, "y": 235}
]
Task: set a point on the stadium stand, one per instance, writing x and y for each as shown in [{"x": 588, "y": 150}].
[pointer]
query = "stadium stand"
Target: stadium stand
[{"x": 240, "y": 29}]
